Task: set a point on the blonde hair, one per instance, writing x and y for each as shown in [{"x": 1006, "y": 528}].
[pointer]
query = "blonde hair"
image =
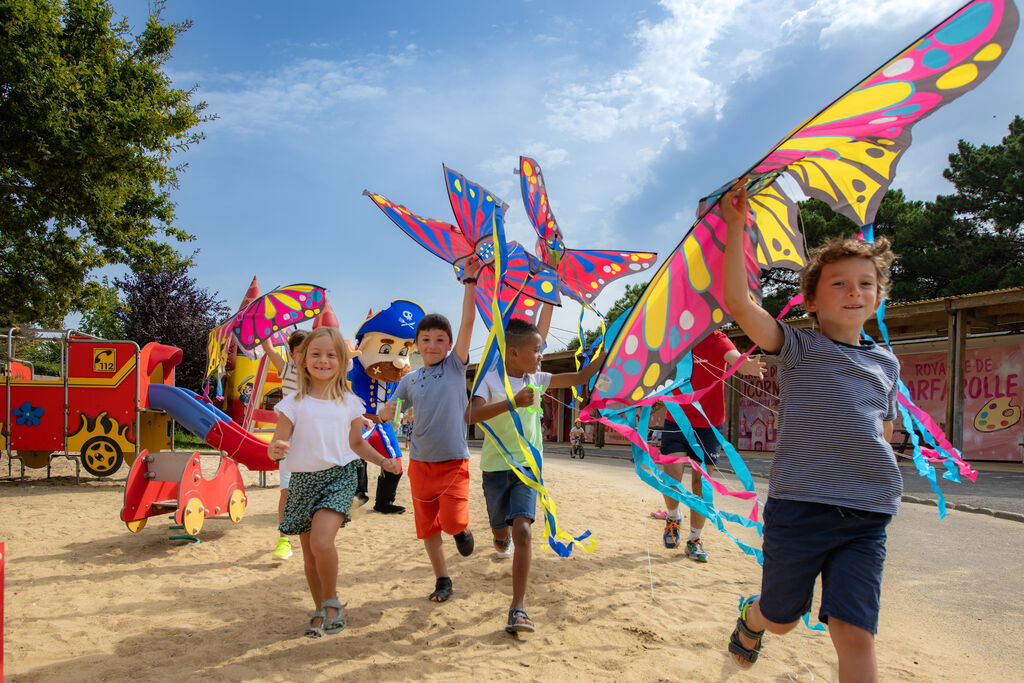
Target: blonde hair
[
  {"x": 837, "y": 248},
  {"x": 337, "y": 389}
]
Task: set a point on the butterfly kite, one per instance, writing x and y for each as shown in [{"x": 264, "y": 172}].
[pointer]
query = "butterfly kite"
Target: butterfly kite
[
  {"x": 582, "y": 273},
  {"x": 846, "y": 156},
  {"x": 526, "y": 282},
  {"x": 264, "y": 317}
]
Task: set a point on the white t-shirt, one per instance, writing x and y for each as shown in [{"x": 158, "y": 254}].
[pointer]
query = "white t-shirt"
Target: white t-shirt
[
  {"x": 319, "y": 439},
  {"x": 492, "y": 390}
]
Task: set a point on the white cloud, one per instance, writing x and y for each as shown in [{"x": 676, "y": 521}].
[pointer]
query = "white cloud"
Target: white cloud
[
  {"x": 301, "y": 95},
  {"x": 839, "y": 17},
  {"x": 667, "y": 84}
]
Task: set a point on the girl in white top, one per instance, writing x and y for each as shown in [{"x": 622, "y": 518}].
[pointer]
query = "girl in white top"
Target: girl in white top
[{"x": 319, "y": 430}]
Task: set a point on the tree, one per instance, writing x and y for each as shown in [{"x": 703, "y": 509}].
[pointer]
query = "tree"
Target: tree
[
  {"x": 102, "y": 319},
  {"x": 989, "y": 181},
  {"x": 90, "y": 126},
  {"x": 170, "y": 308},
  {"x": 621, "y": 305}
]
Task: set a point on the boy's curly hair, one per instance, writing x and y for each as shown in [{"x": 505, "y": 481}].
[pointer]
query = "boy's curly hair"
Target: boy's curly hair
[{"x": 836, "y": 248}]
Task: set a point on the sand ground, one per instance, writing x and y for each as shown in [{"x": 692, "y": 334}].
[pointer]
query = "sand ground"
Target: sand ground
[{"x": 85, "y": 599}]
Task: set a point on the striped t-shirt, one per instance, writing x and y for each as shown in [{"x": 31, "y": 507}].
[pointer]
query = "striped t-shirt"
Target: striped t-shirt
[
  {"x": 289, "y": 379},
  {"x": 833, "y": 400}
]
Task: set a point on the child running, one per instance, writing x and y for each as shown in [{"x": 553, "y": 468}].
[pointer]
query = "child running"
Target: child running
[
  {"x": 319, "y": 430},
  {"x": 834, "y": 483},
  {"x": 438, "y": 453},
  {"x": 510, "y": 502},
  {"x": 288, "y": 372}
]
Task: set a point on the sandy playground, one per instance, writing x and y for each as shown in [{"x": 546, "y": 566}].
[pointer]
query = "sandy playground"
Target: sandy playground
[{"x": 88, "y": 600}]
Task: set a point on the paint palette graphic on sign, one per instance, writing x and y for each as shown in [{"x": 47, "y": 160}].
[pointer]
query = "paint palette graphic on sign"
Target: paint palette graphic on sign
[{"x": 996, "y": 415}]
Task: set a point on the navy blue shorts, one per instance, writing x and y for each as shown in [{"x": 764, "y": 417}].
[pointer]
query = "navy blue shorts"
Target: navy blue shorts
[
  {"x": 845, "y": 546},
  {"x": 507, "y": 498},
  {"x": 674, "y": 443}
]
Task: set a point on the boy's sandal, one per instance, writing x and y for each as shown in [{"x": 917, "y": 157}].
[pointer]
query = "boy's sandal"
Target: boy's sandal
[
  {"x": 503, "y": 544},
  {"x": 518, "y": 621},
  {"x": 442, "y": 589},
  {"x": 338, "y": 621},
  {"x": 735, "y": 646},
  {"x": 316, "y": 624}
]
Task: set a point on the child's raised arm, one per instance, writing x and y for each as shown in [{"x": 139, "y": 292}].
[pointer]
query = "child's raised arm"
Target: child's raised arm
[
  {"x": 758, "y": 323},
  {"x": 462, "y": 341},
  {"x": 570, "y": 379},
  {"x": 544, "y": 321},
  {"x": 275, "y": 358}
]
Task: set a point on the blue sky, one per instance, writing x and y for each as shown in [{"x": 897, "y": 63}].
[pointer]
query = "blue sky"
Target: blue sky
[{"x": 634, "y": 110}]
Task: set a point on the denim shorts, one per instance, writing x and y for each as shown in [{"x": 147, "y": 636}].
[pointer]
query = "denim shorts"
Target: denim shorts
[
  {"x": 507, "y": 498},
  {"x": 845, "y": 546},
  {"x": 674, "y": 443}
]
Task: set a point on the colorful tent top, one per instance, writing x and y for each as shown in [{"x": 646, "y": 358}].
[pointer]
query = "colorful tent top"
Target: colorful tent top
[
  {"x": 845, "y": 155},
  {"x": 477, "y": 212},
  {"x": 582, "y": 273}
]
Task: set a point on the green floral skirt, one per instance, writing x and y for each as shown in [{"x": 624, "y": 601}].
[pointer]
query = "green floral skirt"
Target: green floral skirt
[{"x": 308, "y": 492}]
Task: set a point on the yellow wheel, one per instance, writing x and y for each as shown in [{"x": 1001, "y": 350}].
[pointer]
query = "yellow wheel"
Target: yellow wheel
[
  {"x": 101, "y": 456},
  {"x": 236, "y": 508},
  {"x": 194, "y": 516},
  {"x": 136, "y": 525}
]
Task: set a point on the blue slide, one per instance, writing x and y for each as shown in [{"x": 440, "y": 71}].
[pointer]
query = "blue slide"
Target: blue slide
[{"x": 212, "y": 425}]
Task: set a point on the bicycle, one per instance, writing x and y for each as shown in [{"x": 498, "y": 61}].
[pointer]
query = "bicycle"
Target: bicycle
[{"x": 576, "y": 449}]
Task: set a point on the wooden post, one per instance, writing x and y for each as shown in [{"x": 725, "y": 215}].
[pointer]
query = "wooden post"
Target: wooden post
[
  {"x": 956, "y": 357},
  {"x": 733, "y": 406}
]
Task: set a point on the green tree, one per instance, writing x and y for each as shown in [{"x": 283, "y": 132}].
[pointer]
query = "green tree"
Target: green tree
[
  {"x": 102, "y": 320},
  {"x": 169, "y": 307},
  {"x": 989, "y": 181},
  {"x": 90, "y": 126}
]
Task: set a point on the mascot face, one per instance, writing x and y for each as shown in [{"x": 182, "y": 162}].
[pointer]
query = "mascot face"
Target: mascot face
[{"x": 385, "y": 357}]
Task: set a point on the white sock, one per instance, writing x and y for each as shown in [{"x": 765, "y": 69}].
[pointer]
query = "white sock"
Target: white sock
[
  {"x": 695, "y": 534},
  {"x": 676, "y": 515}
]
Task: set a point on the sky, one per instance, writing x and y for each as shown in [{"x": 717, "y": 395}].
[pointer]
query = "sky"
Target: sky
[{"x": 634, "y": 110}]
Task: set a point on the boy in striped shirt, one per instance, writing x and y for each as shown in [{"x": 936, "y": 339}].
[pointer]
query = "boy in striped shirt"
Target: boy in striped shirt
[{"x": 834, "y": 482}]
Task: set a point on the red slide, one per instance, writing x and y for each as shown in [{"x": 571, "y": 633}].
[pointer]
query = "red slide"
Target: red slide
[{"x": 241, "y": 446}]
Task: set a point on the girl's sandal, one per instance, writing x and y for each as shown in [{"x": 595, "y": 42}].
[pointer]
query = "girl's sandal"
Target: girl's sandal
[
  {"x": 316, "y": 624},
  {"x": 736, "y": 646},
  {"x": 337, "y": 622}
]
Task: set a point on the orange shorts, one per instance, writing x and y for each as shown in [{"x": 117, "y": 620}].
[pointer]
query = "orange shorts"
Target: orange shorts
[{"x": 440, "y": 496}]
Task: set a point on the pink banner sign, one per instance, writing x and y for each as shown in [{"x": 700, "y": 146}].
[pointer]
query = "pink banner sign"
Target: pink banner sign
[{"x": 993, "y": 390}]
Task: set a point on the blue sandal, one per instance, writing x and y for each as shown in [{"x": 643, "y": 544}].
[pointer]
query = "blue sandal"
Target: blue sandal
[
  {"x": 316, "y": 630},
  {"x": 518, "y": 621},
  {"x": 337, "y": 622}
]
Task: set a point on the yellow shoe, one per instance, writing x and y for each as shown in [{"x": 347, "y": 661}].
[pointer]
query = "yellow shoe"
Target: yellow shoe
[{"x": 283, "y": 550}]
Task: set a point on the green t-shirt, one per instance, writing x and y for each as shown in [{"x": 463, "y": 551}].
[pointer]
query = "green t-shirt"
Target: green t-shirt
[{"x": 492, "y": 390}]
